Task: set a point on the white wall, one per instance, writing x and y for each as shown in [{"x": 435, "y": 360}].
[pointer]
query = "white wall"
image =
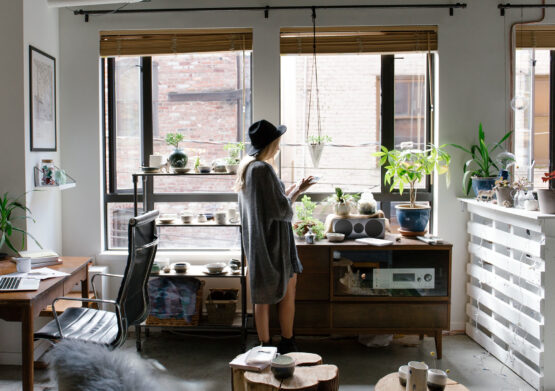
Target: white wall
[
  {"x": 24, "y": 23},
  {"x": 472, "y": 87}
]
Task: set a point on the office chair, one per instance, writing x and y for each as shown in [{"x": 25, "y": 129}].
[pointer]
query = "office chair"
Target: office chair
[{"x": 131, "y": 306}]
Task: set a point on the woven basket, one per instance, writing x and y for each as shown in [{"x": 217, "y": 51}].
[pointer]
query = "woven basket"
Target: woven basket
[
  {"x": 154, "y": 321},
  {"x": 221, "y": 312}
]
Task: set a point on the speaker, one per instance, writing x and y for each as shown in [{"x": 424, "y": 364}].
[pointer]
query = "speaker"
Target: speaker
[{"x": 360, "y": 227}]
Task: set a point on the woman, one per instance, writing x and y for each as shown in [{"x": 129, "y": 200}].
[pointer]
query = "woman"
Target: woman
[{"x": 266, "y": 212}]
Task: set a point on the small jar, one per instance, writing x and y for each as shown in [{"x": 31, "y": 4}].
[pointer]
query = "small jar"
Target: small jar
[
  {"x": 310, "y": 236},
  {"x": 47, "y": 172}
]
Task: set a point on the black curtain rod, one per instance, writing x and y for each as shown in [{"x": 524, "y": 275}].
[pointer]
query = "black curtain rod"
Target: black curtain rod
[
  {"x": 266, "y": 9},
  {"x": 503, "y": 7}
]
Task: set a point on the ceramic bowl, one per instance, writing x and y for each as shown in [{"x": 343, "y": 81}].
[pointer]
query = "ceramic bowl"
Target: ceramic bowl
[
  {"x": 283, "y": 367},
  {"x": 181, "y": 267},
  {"x": 335, "y": 237},
  {"x": 217, "y": 267},
  {"x": 403, "y": 374},
  {"x": 218, "y": 168},
  {"x": 181, "y": 170},
  {"x": 167, "y": 218},
  {"x": 187, "y": 218},
  {"x": 155, "y": 268},
  {"x": 204, "y": 169},
  {"x": 149, "y": 169},
  {"x": 437, "y": 379},
  {"x": 231, "y": 168}
]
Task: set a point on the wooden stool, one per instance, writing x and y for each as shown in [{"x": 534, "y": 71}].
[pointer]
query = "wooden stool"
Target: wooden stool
[
  {"x": 391, "y": 383},
  {"x": 310, "y": 374}
]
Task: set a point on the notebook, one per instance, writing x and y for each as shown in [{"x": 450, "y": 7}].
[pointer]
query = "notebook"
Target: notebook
[{"x": 18, "y": 284}]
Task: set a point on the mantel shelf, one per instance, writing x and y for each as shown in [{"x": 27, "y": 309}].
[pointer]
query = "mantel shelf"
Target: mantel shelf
[
  {"x": 56, "y": 188},
  {"x": 534, "y": 215}
]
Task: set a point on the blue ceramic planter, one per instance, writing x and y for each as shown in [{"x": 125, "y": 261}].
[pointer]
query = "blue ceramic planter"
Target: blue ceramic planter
[
  {"x": 414, "y": 220},
  {"x": 482, "y": 184}
]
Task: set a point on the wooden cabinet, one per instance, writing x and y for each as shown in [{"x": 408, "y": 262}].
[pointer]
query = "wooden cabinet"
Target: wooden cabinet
[{"x": 354, "y": 288}]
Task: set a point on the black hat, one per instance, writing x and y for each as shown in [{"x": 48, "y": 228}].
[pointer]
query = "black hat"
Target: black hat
[{"x": 262, "y": 133}]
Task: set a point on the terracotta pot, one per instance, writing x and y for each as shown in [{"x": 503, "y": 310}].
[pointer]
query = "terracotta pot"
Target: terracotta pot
[{"x": 546, "y": 198}]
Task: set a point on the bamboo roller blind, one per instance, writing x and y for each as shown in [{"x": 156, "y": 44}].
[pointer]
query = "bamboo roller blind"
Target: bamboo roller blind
[
  {"x": 359, "y": 39},
  {"x": 135, "y": 42},
  {"x": 535, "y": 36}
]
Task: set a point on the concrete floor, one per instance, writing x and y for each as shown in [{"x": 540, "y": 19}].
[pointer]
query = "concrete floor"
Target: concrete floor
[{"x": 202, "y": 362}]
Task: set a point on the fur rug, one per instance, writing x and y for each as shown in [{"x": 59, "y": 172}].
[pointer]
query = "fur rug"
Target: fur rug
[{"x": 81, "y": 366}]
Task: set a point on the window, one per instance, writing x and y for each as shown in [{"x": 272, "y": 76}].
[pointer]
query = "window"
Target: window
[
  {"x": 366, "y": 99},
  {"x": 203, "y": 95},
  {"x": 534, "y": 96}
]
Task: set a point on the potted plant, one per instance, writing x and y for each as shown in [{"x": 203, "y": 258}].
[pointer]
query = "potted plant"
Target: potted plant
[
  {"x": 305, "y": 219},
  {"x": 232, "y": 161},
  {"x": 503, "y": 192},
  {"x": 478, "y": 169},
  {"x": 546, "y": 197},
  {"x": 316, "y": 146},
  {"x": 7, "y": 223},
  {"x": 177, "y": 158},
  {"x": 408, "y": 167},
  {"x": 342, "y": 202}
]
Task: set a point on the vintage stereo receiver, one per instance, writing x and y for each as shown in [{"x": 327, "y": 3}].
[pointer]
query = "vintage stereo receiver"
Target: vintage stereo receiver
[
  {"x": 359, "y": 227},
  {"x": 409, "y": 278}
]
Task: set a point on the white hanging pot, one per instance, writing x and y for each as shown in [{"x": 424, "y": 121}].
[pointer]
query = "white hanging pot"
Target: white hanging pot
[{"x": 315, "y": 153}]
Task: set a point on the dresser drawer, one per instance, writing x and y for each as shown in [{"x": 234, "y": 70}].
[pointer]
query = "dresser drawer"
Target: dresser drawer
[
  {"x": 313, "y": 286},
  {"x": 314, "y": 259}
]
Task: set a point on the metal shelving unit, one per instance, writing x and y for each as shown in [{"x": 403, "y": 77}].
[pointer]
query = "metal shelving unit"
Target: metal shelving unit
[{"x": 240, "y": 323}]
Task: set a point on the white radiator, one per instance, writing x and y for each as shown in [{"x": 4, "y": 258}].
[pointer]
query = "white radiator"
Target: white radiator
[{"x": 511, "y": 288}]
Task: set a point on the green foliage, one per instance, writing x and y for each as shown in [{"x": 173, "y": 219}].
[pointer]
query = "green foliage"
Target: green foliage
[
  {"x": 234, "y": 150},
  {"x": 305, "y": 219},
  {"x": 7, "y": 207},
  {"x": 197, "y": 163},
  {"x": 340, "y": 197},
  {"x": 319, "y": 139},
  {"x": 410, "y": 166},
  {"x": 480, "y": 164},
  {"x": 174, "y": 139}
]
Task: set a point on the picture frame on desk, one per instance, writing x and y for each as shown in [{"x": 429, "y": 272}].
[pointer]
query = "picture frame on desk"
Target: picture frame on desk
[{"x": 42, "y": 100}]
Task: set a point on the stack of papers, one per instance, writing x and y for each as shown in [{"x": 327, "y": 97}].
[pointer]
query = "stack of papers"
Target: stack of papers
[
  {"x": 256, "y": 359},
  {"x": 39, "y": 274},
  {"x": 42, "y": 258}
]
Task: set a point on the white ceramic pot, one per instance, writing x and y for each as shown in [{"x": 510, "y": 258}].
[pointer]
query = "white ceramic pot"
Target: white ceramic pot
[
  {"x": 342, "y": 209},
  {"x": 417, "y": 376},
  {"x": 231, "y": 168}
]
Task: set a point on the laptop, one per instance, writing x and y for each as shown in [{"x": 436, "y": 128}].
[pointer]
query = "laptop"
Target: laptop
[{"x": 12, "y": 284}]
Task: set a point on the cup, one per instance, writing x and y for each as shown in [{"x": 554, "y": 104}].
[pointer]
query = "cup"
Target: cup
[
  {"x": 187, "y": 218},
  {"x": 201, "y": 218},
  {"x": 155, "y": 160},
  {"x": 231, "y": 214},
  {"x": 437, "y": 380},
  {"x": 220, "y": 217},
  {"x": 417, "y": 376},
  {"x": 23, "y": 265}
]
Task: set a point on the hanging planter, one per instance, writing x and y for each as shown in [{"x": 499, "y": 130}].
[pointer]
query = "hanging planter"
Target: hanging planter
[{"x": 315, "y": 153}]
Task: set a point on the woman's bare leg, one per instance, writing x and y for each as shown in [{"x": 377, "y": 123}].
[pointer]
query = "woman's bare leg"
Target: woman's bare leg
[
  {"x": 262, "y": 320},
  {"x": 286, "y": 309}
]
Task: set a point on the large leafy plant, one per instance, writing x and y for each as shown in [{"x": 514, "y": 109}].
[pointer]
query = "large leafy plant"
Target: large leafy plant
[
  {"x": 407, "y": 167},
  {"x": 305, "y": 218},
  {"x": 8, "y": 207},
  {"x": 480, "y": 164}
]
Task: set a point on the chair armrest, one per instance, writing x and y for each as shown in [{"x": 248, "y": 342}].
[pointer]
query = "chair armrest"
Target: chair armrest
[
  {"x": 102, "y": 274},
  {"x": 87, "y": 300}
]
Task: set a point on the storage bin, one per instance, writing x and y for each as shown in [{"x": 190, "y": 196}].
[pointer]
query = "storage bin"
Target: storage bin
[
  {"x": 163, "y": 293},
  {"x": 221, "y": 305}
]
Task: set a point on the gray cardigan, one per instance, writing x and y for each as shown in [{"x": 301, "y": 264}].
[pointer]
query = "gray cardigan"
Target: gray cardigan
[{"x": 268, "y": 241}]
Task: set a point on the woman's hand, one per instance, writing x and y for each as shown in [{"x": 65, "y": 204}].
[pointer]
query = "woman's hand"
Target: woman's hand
[{"x": 300, "y": 187}]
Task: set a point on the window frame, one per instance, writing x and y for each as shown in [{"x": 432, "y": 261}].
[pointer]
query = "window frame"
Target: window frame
[{"x": 113, "y": 195}]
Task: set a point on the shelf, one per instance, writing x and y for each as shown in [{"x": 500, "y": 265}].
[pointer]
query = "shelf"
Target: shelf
[
  {"x": 195, "y": 225},
  {"x": 56, "y": 188},
  {"x": 197, "y": 271},
  {"x": 184, "y": 174},
  {"x": 205, "y": 326}
]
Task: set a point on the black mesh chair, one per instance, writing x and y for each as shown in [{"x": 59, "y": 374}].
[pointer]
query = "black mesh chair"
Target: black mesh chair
[{"x": 131, "y": 306}]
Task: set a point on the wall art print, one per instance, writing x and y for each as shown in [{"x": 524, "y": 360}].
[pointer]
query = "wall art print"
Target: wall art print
[{"x": 42, "y": 100}]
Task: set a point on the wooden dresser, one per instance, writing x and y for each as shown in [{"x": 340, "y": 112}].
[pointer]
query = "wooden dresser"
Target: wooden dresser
[{"x": 353, "y": 288}]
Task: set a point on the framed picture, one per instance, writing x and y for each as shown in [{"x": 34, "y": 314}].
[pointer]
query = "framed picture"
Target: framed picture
[{"x": 42, "y": 100}]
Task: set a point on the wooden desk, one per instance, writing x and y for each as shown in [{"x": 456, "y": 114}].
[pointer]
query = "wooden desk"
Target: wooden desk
[{"x": 25, "y": 306}]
